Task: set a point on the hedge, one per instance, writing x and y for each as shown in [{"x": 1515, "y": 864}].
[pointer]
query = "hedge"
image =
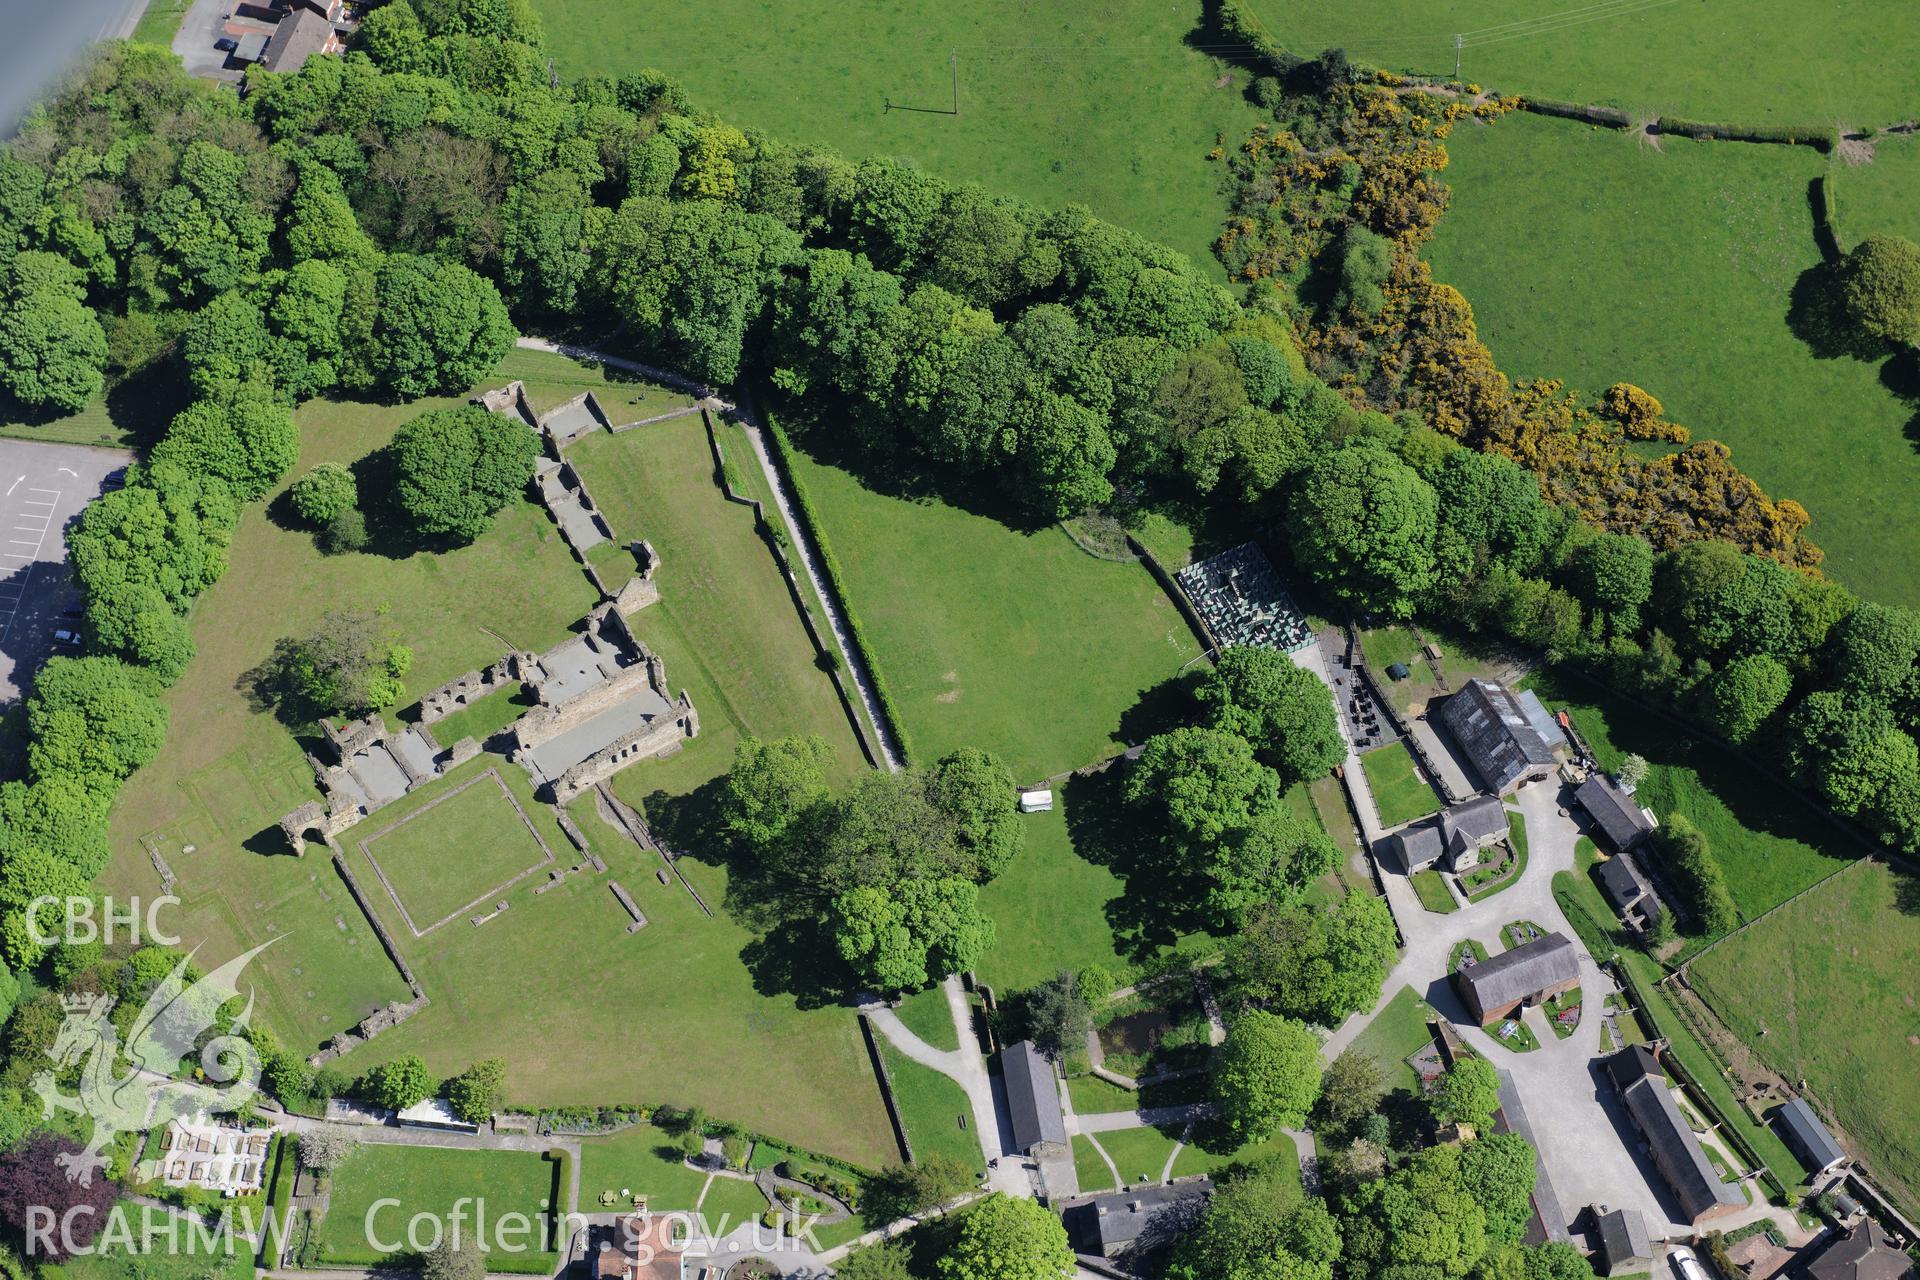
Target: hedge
[
  {"x": 1591, "y": 113},
  {"x": 783, "y": 458},
  {"x": 1823, "y": 137}
]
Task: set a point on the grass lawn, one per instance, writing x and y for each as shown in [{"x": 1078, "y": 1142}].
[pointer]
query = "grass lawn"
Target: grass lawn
[
  {"x": 1399, "y": 792},
  {"x": 927, "y": 1016},
  {"x": 1877, "y": 198},
  {"x": 1109, "y": 108},
  {"x": 1520, "y": 1040},
  {"x": 729, "y": 1202},
  {"x": 933, "y": 1107},
  {"x": 639, "y": 1161},
  {"x": 1433, "y": 892},
  {"x": 1385, "y": 646},
  {"x": 988, "y": 637},
  {"x": 430, "y": 1180},
  {"x": 1140, "y": 1154},
  {"x": 725, "y": 624},
  {"x": 1823, "y": 991},
  {"x": 479, "y": 824},
  {"x": 1091, "y": 1095},
  {"x": 552, "y": 380},
  {"x": 1770, "y": 845},
  {"x": 1092, "y": 1171},
  {"x": 1768, "y": 61},
  {"x": 152, "y": 1259},
  {"x": 481, "y": 720},
  {"x": 1278, "y": 1152},
  {"x": 1691, "y": 255},
  {"x": 1397, "y": 1034},
  {"x": 160, "y": 21},
  {"x": 1466, "y": 946}
]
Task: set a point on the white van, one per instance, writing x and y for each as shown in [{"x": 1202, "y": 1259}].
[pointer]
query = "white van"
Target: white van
[{"x": 1686, "y": 1266}]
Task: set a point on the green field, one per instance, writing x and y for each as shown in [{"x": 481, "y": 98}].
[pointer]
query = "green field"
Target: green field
[
  {"x": 1877, "y": 198},
  {"x": 1141, "y": 1154},
  {"x": 160, "y": 21},
  {"x": 441, "y": 859},
  {"x": 926, "y": 1015},
  {"x": 431, "y": 1181},
  {"x": 1770, "y": 846},
  {"x": 1020, "y": 643},
  {"x": 725, "y": 624},
  {"x": 1823, "y": 991},
  {"x": 934, "y": 1109},
  {"x": 639, "y": 1161},
  {"x": 1761, "y": 61},
  {"x": 1105, "y": 107},
  {"x": 1590, "y": 257},
  {"x": 1399, "y": 792},
  {"x": 1431, "y": 888}
]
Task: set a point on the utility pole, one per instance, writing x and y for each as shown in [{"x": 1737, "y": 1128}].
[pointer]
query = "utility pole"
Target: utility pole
[
  {"x": 953, "y": 62},
  {"x": 1459, "y": 42}
]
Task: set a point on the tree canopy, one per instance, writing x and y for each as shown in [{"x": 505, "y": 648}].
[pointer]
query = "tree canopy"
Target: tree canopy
[{"x": 455, "y": 468}]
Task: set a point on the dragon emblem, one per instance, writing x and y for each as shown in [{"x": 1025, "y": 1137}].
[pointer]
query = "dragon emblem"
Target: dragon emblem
[{"x": 145, "y": 1093}]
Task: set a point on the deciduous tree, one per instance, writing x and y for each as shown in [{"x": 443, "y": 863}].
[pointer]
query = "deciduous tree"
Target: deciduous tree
[
  {"x": 455, "y": 468},
  {"x": 1006, "y": 1239},
  {"x": 1266, "y": 1076}
]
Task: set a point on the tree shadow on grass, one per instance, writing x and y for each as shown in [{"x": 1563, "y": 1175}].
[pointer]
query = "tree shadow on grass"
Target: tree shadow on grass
[
  {"x": 1906, "y": 892},
  {"x": 1165, "y": 706},
  {"x": 1817, "y": 315},
  {"x": 798, "y": 958},
  {"x": 1146, "y": 918}
]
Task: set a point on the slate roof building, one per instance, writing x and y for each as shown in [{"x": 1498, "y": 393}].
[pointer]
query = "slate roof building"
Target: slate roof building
[
  {"x": 1529, "y": 973},
  {"x": 1133, "y": 1222},
  {"x": 1811, "y": 1140},
  {"x": 300, "y": 35},
  {"x": 1623, "y": 823},
  {"x": 1628, "y": 891},
  {"x": 1454, "y": 837},
  {"x": 1624, "y": 1245},
  {"x": 1865, "y": 1253},
  {"x": 1676, "y": 1152},
  {"x": 1509, "y": 738},
  {"x": 1033, "y": 1100}
]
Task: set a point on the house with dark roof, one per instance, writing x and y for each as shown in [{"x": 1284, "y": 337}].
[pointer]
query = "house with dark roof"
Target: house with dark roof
[
  {"x": 1629, "y": 892},
  {"x": 1619, "y": 820},
  {"x": 1529, "y": 973},
  {"x": 300, "y": 35},
  {"x": 1800, "y": 1127},
  {"x": 1622, "y": 1245},
  {"x": 1033, "y": 1101},
  {"x": 1697, "y": 1186},
  {"x": 1509, "y": 738},
  {"x": 1865, "y": 1253},
  {"x": 1126, "y": 1225},
  {"x": 1455, "y": 837}
]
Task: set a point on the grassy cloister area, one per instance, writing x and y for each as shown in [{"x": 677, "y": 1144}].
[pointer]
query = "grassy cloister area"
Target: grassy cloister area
[
  {"x": 1822, "y": 991},
  {"x": 1400, "y": 793},
  {"x": 1772, "y": 61},
  {"x": 1696, "y": 254}
]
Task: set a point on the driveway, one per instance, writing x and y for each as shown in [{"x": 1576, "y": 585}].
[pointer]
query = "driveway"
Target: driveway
[
  {"x": 206, "y": 21},
  {"x": 43, "y": 489}
]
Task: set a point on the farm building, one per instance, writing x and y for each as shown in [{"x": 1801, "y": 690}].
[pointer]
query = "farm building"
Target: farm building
[
  {"x": 1802, "y": 1129},
  {"x": 1509, "y": 738},
  {"x": 1456, "y": 836},
  {"x": 1623, "y": 823},
  {"x": 1865, "y": 1253},
  {"x": 1676, "y": 1152},
  {"x": 1628, "y": 891},
  {"x": 1624, "y": 1246},
  {"x": 1529, "y": 973},
  {"x": 1033, "y": 1099}
]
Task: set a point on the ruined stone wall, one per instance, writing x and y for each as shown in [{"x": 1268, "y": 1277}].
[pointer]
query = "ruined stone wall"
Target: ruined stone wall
[{"x": 662, "y": 738}]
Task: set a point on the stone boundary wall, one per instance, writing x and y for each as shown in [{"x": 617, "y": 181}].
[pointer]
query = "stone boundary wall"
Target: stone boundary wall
[
  {"x": 826, "y": 655},
  {"x": 393, "y": 1014},
  {"x": 879, "y": 1061},
  {"x": 1209, "y": 643}
]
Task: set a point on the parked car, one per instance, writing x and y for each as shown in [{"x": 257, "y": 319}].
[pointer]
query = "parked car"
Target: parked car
[
  {"x": 1686, "y": 1266},
  {"x": 67, "y": 637},
  {"x": 226, "y": 44}
]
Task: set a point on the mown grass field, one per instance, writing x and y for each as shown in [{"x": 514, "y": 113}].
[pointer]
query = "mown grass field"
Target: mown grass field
[
  {"x": 934, "y": 1109},
  {"x": 442, "y": 858},
  {"x": 1770, "y": 846},
  {"x": 1399, "y": 792},
  {"x": 1020, "y": 643},
  {"x": 1878, "y": 198},
  {"x": 431, "y": 1181},
  {"x": 725, "y": 624},
  {"x": 638, "y": 1161},
  {"x": 1106, "y": 106},
  {"x": 1398, "y": 1033},
  {"x": 1764, "y": 60},
  {"x": 1592, "y": 258},
  {"x": 1823, "y": 991}
]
